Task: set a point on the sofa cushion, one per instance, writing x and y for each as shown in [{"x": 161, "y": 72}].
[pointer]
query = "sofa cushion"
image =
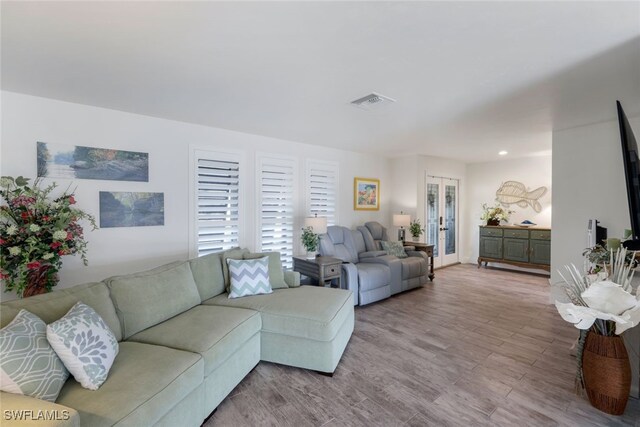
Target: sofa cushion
[
  {"x": 276, "y": 274},
  {"x": 207, "y": 273},
  {"x": 15, "y": 405},
  {"x": 308, "y": 311},
  {"x": 85, "y": 344},
  {"x": 52, "y": 306},
  {"x": 144, "y": 384},
  {"x": 372, "y": 276},
  {"x": 235, "y": 253},
  {"x": 212, "y": 331},
  {"x": 413, "y": 267},
  {"x": 28, "y": 364},
  {"x": 145, "y": 299}
]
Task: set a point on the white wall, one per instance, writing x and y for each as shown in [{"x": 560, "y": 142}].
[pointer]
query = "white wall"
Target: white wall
[
  {"x": 28, "y": 119},
  {"x": 485, "y": 178},
  {"x": 588, "y": 177}
]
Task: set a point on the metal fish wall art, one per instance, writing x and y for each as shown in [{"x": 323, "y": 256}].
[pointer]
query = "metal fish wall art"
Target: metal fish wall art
[{"x": 514, "y": 192}]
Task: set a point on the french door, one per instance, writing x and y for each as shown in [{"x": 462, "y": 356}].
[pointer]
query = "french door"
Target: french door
[{"x": 442, "y": 219}]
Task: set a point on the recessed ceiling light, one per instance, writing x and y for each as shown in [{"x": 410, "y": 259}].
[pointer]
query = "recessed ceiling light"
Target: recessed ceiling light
[{"x": 503, "y": 153}]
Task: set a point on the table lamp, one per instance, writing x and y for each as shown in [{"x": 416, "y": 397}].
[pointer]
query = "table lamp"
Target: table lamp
[
  {"x": 318, "y": 224},
  {"x": 401, "y": 220}
]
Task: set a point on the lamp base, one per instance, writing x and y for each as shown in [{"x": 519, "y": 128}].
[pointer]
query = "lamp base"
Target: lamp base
[{"x": 401, "y": 234}]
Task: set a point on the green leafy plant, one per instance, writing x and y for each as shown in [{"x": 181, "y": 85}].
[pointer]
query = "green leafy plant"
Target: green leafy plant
[
  {"x": 415, "y": 228},
  {"x": 36, "y": 231},
  {"x": 310, "y": 240},
  {"x": 599, "y": 257}
]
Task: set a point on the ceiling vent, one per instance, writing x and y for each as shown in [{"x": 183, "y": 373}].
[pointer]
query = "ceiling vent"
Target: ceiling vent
[{"x": 373, "y": 101}]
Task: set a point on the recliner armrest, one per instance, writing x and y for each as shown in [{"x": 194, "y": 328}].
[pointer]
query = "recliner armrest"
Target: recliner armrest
[
  {"x": 371, "y": 254},
  {"x": 419, "y": 254},
  {"x": 349, "y": 280}
]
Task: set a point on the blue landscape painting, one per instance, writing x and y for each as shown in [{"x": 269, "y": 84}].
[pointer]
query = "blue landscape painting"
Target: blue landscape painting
[
  {"x": 126, "y": 209},
  {"x": 78, "y": 162}
]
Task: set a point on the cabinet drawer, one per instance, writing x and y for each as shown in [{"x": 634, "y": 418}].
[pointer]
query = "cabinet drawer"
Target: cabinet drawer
[
  {"x": 541, "y": 234},
  {"x": 491, "y": 232},
  {"x": 517, "y": 234},
  {"x": 331, "y": 270}
]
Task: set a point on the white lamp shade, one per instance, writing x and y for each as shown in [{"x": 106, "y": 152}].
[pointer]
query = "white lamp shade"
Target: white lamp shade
[
  {"x": 318, "y": 223},
  {"x": 401, "y": 220}
]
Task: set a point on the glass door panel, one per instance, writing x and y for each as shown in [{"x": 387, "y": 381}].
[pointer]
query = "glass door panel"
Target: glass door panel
[
  {"x": 442, "y": 219},
  {"x": 433, "y": 214}
]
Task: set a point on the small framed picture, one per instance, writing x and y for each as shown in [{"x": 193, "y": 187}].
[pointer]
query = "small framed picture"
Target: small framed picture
[{"x": 366, "y": 194}]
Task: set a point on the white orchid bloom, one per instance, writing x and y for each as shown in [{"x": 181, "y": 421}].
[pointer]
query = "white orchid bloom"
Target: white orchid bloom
[{"x": 607, "y": 301}]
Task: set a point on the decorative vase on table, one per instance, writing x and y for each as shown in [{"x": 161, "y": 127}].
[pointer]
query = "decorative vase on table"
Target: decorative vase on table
[
  {"x": 607, "y": 372},
  {"x": 493, "y": 221}
]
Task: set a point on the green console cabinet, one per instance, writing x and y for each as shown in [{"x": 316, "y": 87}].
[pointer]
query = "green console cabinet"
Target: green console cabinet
[{"x": 523, "y": 247}]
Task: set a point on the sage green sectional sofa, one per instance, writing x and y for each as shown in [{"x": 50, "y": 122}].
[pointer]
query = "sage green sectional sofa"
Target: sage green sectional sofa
[{"x": 184, "y": 345}]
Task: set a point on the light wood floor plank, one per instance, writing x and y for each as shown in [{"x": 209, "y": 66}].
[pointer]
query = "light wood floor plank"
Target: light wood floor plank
[{"x": 479, "y": 347}]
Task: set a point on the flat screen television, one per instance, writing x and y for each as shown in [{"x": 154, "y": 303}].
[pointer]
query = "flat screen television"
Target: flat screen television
[{"x": 632, "y": 175}]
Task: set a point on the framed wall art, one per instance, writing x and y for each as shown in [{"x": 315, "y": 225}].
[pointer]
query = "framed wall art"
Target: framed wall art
[
  {"x": 366, "y": 194},
  {"x": 78, "y": 162},
  {"x": 127, "y": 209}
]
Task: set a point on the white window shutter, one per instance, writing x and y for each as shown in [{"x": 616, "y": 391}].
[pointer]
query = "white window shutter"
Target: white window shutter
[
  {"x": 277, "y": 190},
  {"x": 322, "y": 189},
  {"x": 218, "y": 201}
]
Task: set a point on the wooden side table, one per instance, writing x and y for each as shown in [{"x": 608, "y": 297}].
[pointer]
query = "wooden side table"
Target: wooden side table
[
  {"x": 320, "y": 269},
  {"x": 428, "y": 249}
]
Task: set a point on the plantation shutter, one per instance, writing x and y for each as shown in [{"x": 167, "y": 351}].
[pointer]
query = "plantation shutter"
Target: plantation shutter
[
  {"x": 277, "y": 190},
  {"x": 218, "y": 202},
  {"x": 322, "y": 190}
]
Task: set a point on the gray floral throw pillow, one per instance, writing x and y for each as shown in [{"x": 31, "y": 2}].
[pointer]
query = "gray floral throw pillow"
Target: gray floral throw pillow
[
  {"x": 28, "y": 364},
  {"x": 85, "y": 344},
  {"x": 394, "y": 248}
]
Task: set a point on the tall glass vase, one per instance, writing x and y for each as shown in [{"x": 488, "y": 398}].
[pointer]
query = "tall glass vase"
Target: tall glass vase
[{"x": 41, "y": 280}]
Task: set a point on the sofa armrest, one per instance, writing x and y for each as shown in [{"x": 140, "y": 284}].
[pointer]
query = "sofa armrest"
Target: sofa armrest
[
  {"x": 292, "y": 278},
  {"x": 409, "y": 248},
  {"x": 418, "y": 254},
  {"x": 349, "y": 279},
  {"x": 21, "y": 411},
  {"x": 371, "y": 254}
]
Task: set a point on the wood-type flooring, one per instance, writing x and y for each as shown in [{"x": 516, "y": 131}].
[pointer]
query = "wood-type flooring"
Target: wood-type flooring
[{"x": 476, "y": 347}]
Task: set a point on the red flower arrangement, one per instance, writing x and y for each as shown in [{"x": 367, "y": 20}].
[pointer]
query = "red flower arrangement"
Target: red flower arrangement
[{"x": 35, "y": 232}]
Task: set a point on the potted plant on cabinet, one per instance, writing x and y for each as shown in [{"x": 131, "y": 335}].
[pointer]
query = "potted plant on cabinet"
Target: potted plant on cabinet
[{"x": 494, "y": 215}]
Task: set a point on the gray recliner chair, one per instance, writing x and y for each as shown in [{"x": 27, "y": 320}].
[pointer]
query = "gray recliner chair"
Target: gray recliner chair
[
  {"x": 407, "y": 273},
  {"x": 369, "y": 281}
]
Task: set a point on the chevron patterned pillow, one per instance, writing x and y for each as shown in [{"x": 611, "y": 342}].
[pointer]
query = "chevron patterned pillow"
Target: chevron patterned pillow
[{"x": 249, "y": 277}]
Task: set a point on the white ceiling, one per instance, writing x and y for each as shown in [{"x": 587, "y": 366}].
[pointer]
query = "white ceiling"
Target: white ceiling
[{"x": 470, "y": 79}]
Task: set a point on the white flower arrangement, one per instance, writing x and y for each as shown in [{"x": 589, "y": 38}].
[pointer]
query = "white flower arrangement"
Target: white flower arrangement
[
  {"x": 604, "y": 300},
  {"x": 603, "y": 303}
]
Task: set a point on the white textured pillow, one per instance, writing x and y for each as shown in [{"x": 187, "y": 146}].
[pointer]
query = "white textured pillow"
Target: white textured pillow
[
  {"x": 85, "y": 344},
  {"x": 249, "y": 277},
  {"x": 28, "y": 364}
]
